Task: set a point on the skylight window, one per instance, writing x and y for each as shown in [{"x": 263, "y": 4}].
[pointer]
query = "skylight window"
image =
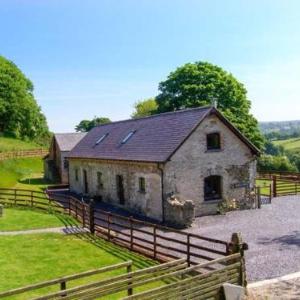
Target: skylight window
[
  {"x": 101, "y": 139},
  {"x": 127, "y": 137}
]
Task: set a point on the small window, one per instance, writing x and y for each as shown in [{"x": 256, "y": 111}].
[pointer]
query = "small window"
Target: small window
[
  {"x": 66, "y": 163},
  {"x": 212, "y": 188},
  {"x": 213, "y": 141},
  {"x": 101, "y": 138},
  {"x": 128, "y": 136},
  {"x": 76, "y": 174},
  {"x": 99, "y": 180},
  {"x": 142, "y": 184}
]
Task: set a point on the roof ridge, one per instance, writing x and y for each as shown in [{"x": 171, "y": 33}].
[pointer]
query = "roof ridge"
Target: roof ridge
[
  {"x": 56, "y": 133},
  {"x": 160, "y": 114}
]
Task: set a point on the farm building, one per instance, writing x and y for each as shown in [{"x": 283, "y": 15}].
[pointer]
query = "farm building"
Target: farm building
[
  {"x": 166, "y": 166},
  {"x": 55, "y": 163}
]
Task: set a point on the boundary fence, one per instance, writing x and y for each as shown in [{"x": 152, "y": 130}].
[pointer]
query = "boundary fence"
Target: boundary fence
[
  {"x": 175, "y": 280},
  {"x": 23, "y": 153},
  {"x": 155, "y": 241},
  {"x": 281, "y": 183},
  {"x": 219, "y": 261}
]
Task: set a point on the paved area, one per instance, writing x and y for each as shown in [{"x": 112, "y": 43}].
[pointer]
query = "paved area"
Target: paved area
[
  {"x": 272, "y": 233},
  {"x": 62, "y": 230},
  {"x": 286, "y": 287}
]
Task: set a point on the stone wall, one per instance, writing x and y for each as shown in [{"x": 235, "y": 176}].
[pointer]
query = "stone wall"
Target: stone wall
[
  {"x": 147, "y": 203},
  {"x": 184, "y": 174}
]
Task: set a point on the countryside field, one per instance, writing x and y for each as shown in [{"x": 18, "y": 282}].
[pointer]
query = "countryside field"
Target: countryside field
[
  {"x": 289, "y": 144},
  {"x": 11, "y": 144}
]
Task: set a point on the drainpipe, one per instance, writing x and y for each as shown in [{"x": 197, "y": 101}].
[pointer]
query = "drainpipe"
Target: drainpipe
[{"x": 161, "y": 168}]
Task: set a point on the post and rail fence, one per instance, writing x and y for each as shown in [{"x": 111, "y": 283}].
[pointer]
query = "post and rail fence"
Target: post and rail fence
[
  {"x": 155, "y": 241},
  {"x": 23, "y": 153},
  {"x": 277, "y": 184}
]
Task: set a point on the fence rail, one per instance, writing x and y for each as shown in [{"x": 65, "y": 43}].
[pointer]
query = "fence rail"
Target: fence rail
[
  {"x": 281, "y": 183},
  {"x": 174, "y": 278},
  {"x": 23, "y": 153},
  {"x": 219, "y": 261}
]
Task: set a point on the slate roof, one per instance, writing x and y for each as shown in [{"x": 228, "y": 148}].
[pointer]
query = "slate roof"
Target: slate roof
[
  {"x": 155, "y": 138},
  {"x": 67, "y": 141}
]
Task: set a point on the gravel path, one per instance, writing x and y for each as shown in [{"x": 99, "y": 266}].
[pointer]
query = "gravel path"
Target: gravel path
[
  {"x": 272, "y": 233},
  {"x": 62, "y": 230},
  {"x": 286, "y": 287}
]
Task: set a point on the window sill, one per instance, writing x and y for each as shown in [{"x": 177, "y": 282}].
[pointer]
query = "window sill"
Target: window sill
[
  {"x": 213, "y": 150},
  {"x": 142, "y": 192},
  {"x": 214, "y": 201}
]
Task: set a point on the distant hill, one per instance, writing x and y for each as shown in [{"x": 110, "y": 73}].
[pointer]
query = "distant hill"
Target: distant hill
[
  {"x": 290, "y": 144},
  {"x": 281, "y": 129},
  {"x": 11, "y": 144}
]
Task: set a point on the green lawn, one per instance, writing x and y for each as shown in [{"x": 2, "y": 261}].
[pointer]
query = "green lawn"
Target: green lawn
[
  {"x": 28, "y": 259},
  {"x": 10, "y": 144},
  {"x": 23, "y": 173},
  {"x": 289, "y": 144},
  {"x": 23, "y": 219}
]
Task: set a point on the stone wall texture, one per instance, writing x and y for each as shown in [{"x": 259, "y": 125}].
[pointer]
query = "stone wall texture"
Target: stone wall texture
[
  {"x": 148, "y": 203},
  {"x": 184, "y": 174}
]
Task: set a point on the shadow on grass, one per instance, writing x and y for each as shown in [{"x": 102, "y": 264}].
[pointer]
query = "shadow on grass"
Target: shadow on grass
[{"x": 35, "y": 181}]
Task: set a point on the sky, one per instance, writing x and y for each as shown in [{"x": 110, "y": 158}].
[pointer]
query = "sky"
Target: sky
[{"x": 97, "y": 58}]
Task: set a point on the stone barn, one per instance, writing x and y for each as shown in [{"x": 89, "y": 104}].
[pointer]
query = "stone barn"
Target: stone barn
[
  {"x": 168, "y": 166},
  {"x": 55, "y": 163}
]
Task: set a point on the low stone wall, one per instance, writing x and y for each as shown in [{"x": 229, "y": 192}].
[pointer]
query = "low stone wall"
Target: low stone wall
[{"x": 179, "y": 213}]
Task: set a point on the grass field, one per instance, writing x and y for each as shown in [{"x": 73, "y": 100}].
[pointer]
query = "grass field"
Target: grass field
[
  {"x": 11, "y": 144},
  {"x": 28, "y": 259},
  {"x": 290, "y": 144},
  {"x": 22, "y": 173},
  {"x": 23, "y": 219}
]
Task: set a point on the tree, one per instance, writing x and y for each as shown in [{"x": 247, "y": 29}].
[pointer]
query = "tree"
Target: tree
[
  {"x": 20, "y": 115},
  {"x": 198, "y": 84},
  {"x": 87, "y": 125},
  {"x": 144, "y": 108},
  {"x": 275, "y": 163}
]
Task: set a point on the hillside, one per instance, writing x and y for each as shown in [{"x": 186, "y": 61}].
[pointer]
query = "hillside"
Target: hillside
[
  {"x": 11, "y": 144},
  {"x": 281, "y": 127},
  {"x": 289, "y": 144}
]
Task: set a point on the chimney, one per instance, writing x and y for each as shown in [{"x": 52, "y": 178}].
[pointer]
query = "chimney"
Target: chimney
[{"x": 214, "y": 102}]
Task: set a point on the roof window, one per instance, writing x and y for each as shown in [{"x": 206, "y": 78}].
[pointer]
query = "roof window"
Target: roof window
[
  {"x": 101, "y": 139},
  {"x": 127, "y": 137}
]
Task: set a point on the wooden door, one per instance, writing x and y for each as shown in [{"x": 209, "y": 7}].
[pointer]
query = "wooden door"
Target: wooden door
[
  {"x": 85, "y": 182},
  {"x": 120, "y": 189}
]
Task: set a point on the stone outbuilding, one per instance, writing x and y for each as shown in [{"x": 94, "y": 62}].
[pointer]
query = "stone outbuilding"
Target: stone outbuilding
[
  {"x": 167, "y": 166},
  {"x": 55, "y": 163}
]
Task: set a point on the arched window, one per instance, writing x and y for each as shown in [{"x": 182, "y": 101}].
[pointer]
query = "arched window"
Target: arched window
[{"x": 212, "y": 188}]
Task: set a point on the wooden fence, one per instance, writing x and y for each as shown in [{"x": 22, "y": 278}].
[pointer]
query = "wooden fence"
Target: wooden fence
[
  {"x": 175, "y": 280},
  {"x": 219, "y": 261},
  {"x": 281, "y": 183},
  {"x": 155, "y": 241},
  {"x": 23, "y": 153}
]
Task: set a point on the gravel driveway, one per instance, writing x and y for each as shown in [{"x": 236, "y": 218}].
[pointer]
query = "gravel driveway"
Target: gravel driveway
[{"x": 272, "y": 233}]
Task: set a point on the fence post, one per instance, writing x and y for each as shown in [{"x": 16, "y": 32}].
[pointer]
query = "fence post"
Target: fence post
[
  {"x": 108, "y": 224},
  {"x": 63, "y": 286},
  {"x": 270, "y": 193},
  {"x": 188, "y": 249},
  {"x": 274, "y": 179},
  {"x": 69, "y": 205},
  {"x": 91, "y": 216},
  {"x": 15, "y": 197},
  {"x": 258, "y": 197},
  {"x": 31, "y": 198},
  {"x": 131, "y": 233},
  {"x": 154, "y": 241},
  {"x": 237, "y": 246},
  {"x": 130, "y": 289}
]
